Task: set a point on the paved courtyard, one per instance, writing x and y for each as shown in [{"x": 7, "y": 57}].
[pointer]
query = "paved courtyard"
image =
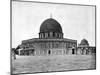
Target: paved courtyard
[{"x": 33, "y": 64}]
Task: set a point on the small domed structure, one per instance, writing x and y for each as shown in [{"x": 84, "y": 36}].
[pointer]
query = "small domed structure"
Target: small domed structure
[
  {"x": 50, "y": 28},
  {"x": 84, "y": 42}
]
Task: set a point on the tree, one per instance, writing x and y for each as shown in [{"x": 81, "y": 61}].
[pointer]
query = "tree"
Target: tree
[
  {"x": 13, "y": 52},
  {"x": 16, "y": 49}
]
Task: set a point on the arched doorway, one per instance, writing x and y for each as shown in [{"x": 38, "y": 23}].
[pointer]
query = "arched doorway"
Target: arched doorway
[
  {"x": 49, "y": 52},
  {"x": 32, "y": 52},
  {"x": 73, "y": 51}
]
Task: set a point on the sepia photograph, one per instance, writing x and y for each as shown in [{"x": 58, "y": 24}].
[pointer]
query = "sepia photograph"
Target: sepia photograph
[{"x": 52, "y": 37}]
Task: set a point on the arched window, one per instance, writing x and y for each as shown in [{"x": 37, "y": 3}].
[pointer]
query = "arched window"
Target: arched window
[
  {"x": 49, "y": 52},
  {"x": 48, "y": 34},
  {"x": 53, "y": 34}
]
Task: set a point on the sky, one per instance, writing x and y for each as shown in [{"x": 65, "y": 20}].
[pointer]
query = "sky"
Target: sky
[{"x": 77, "y": 22}]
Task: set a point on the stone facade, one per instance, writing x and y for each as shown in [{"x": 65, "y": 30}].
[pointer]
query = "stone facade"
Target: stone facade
[
  {"x": 84, "y": 48},
  {"x": 47, "y": 46},
  {"x": 51, "y": 42}
]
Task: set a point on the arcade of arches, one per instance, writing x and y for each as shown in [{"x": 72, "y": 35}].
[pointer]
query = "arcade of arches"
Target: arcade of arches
[{"x": 51, "y": 42}]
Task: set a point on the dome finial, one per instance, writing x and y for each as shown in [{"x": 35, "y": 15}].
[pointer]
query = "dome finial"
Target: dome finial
[{"x": 51, "y": 15}]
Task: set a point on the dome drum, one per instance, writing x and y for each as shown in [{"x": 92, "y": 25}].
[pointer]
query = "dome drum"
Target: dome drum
[
  {"x": 50, "y": 35},
  {"x": 50, "y": 28}
]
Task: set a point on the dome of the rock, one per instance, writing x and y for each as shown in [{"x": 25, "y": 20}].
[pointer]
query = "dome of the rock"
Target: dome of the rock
[{"x": 50, "y": 25}]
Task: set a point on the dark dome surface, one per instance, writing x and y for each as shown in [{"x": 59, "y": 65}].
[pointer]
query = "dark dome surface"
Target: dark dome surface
[
  {"x": 84, "y": 42},
  {"x": 50, "y": 25}
]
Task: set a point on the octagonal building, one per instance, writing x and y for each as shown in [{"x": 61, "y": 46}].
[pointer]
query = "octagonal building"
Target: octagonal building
[{"x": 50, "y": 41}]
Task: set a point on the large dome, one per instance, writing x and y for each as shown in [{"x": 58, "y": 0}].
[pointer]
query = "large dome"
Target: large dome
[{"x": 50, "y": 25}]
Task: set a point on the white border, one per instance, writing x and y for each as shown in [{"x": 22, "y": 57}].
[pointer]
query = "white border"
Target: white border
[{"x": 5, "y": 37}]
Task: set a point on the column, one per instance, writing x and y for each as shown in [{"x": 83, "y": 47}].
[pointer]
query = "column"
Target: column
[
  {"x": 46, "y": 35},
  {"x": 42, "y": 35},
  {"x": 34, "y": 52},
  {"x": 19, "y": 52},
  {"x": 51, "y": 34},
  {"x": 58, "y": 35},
  {"x": 82, "y": 51},
  {"x": 50, "y": 44},
  {"x": 55, "y": 35}
]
